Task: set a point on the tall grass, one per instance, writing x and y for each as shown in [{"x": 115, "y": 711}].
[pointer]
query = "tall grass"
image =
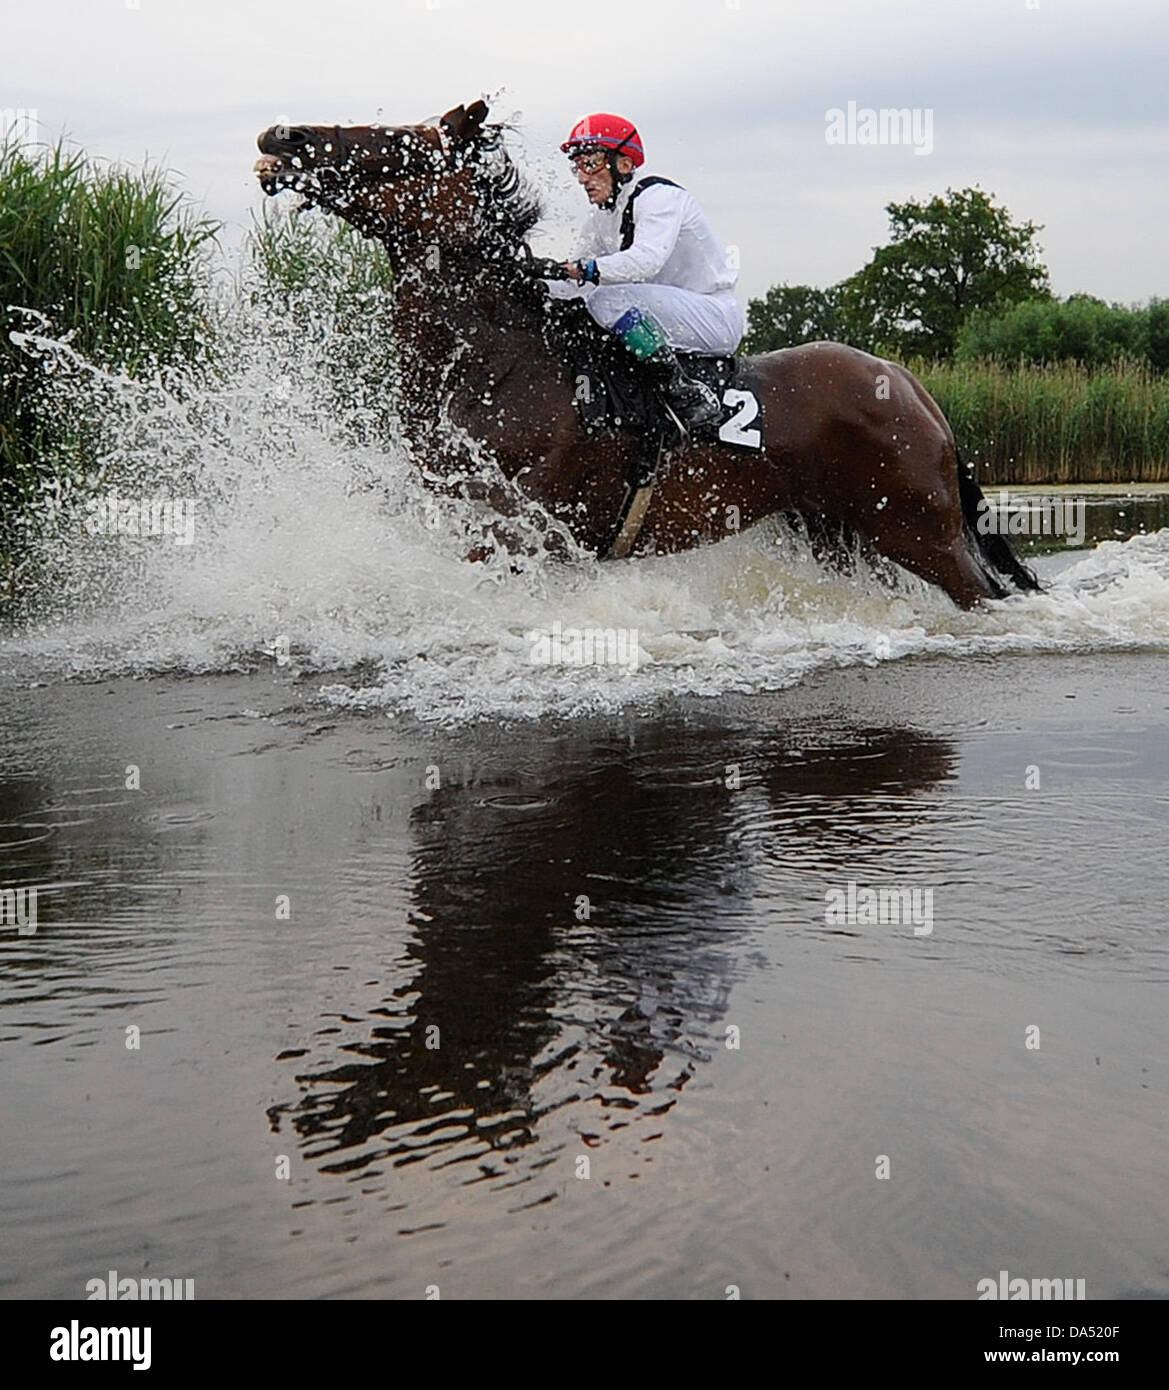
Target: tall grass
[
  {"x": 312, "y": 259},
  {"x": 1056, "y": 424},
  {"x": 312, "y": 275},
  {"x": 115, "y": 262}
]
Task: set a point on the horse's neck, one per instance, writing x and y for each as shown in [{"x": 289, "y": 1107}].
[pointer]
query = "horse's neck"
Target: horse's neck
[
  {"x": 423, "y": 330},
  {"x": 453, "y": 332}
]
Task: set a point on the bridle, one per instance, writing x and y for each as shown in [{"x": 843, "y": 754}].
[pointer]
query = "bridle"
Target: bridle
[
  {"x": 331, "y": 178},
  {"x": 444, "y": 157}
]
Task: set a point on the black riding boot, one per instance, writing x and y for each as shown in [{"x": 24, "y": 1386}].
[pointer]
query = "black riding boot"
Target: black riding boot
[{"x": 693, "y": 402}]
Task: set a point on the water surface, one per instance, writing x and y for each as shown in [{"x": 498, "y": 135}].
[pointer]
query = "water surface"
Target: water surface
[{"x": 442, "y": 1030}]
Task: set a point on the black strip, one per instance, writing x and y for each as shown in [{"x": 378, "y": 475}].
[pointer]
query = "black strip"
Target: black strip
[{"x": 627, "y": 215}]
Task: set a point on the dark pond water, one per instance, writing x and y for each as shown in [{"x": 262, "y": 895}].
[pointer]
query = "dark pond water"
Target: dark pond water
[{"x": 1097, "y": 516}]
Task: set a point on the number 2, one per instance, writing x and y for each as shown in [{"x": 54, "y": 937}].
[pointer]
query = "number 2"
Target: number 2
[{"x": 734, "y": 430}]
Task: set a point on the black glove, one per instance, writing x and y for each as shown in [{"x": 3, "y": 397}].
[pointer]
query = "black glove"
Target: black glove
[{"x": 544, "y": 268}]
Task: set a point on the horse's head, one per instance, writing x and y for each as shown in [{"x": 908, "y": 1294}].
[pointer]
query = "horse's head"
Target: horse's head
[{"x": 426, "y": 183}]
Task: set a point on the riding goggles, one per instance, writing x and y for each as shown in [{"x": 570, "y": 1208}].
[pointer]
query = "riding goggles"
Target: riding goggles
[{"x": 589, "y": 161}]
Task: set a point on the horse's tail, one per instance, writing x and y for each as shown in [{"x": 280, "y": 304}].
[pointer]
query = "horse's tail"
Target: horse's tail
[{"x": 994, "y": 549}]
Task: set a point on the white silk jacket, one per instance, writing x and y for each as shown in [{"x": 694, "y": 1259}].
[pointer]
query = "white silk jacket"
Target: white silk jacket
[{"x": 673, "y": 243}]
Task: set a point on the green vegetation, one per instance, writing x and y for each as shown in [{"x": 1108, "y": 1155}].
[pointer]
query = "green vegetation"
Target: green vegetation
[
  {"x": 309, "y": 262},
  {"x": 788, "y": 315},
  {"x": 1062, "y": 423},
  {"x": 1038, "y": 390},
  {"x": 315, "y": 277},
  {"x": 948, "y": 259},
  {"x": 116, "y": 266},
  {"x": 1079, "y": 329},
  {"x": 112, "y": 260}
]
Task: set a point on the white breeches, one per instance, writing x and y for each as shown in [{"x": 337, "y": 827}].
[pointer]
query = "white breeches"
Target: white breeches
[{"x": 693, "y": 322}]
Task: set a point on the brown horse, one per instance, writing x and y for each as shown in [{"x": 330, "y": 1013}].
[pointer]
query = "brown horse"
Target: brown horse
[{"x": 849, "y": 442}]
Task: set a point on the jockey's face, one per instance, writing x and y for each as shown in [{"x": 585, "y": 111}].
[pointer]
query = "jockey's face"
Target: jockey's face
[{"x": 598, "y": 183}]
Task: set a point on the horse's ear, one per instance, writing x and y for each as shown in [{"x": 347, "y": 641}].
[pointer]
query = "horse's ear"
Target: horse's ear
[{"x": 465, "y": 122}]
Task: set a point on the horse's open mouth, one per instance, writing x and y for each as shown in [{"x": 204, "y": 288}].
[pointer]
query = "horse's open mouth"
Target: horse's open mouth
[{"x": 275, "y": 173}]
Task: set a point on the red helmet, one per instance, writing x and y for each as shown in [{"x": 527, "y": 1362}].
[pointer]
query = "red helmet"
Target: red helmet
[{"x": 612, "y": 132}]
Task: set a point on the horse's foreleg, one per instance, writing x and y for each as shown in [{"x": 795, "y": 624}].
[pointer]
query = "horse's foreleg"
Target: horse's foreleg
[{"x": 511, "y": 499}]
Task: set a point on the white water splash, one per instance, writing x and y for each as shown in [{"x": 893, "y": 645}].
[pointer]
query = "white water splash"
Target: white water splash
[{"x": 340, "y": 557}]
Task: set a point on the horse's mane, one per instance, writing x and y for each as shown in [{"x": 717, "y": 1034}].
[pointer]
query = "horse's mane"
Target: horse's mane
[{"x": 511, "y": 207}]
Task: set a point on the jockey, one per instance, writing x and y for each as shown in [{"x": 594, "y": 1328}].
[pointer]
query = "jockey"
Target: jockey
[{"x": 654, "y": 273}]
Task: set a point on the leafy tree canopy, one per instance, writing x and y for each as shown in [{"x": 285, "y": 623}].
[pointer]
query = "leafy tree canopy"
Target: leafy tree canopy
[
  {"x": 791, "y": 314},
  {"x": 948, "y": 257},
  {"x": 1077, "y": 329}
]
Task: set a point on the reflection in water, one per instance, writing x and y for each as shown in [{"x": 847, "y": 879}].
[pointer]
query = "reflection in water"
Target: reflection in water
[
  {"x": 576, "y": 936},
  {"x": 440, "y": 1032}
]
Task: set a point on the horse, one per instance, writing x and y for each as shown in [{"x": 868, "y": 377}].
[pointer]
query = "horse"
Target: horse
[{"x": 849, "y": 442}]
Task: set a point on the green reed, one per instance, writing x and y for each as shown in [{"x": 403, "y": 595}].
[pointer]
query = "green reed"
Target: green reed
[
  {"x": 114, "y": 261},
  {"x": 311, "y": 275},
  {"x": 1056, "y": 424}
]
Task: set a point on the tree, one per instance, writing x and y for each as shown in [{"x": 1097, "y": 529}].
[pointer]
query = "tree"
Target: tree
[
  {"x": 947, "y": 258},
  {"x": 1078, "y": 329},
  {"x": 1157, "y": 329},
  {"x": 791, "y": 314}
]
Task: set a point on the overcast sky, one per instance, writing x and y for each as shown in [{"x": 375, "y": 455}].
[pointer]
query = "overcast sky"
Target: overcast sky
[{"x": 1057, "y": 107}]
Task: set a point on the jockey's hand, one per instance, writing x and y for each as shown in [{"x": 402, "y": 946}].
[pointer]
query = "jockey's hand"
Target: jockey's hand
[{"x": 581, "y": 271}]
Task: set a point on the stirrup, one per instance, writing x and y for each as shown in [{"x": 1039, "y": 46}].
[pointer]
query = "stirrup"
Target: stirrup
[
  {"x": 704, "y": 409},
  {"x": 676, "y": 420}
]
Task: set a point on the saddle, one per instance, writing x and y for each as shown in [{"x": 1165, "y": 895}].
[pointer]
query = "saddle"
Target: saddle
[{"x": 614, "y": 395}]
